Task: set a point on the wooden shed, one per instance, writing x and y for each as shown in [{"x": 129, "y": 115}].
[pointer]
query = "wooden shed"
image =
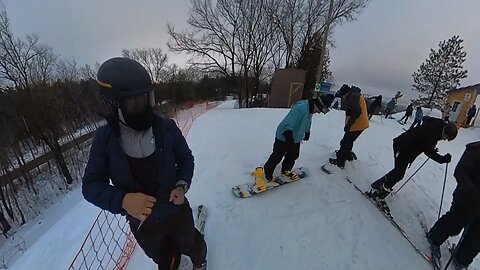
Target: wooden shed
[{"x": 460, "y": 100}]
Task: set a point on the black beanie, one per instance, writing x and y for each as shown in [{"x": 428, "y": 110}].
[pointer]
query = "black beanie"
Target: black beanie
[{"x": 327, "y": 99}]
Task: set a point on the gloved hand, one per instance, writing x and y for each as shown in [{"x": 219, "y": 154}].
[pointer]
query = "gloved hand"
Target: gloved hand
[
  {"x": 307, "y": 136},
  {"x": 346, "y": 128},
  {"x": 138, "y": 205},
  {"x": 447, "y": 158},
  {"x": 288, "y": 136},
  {"x": 177, "y": 196}
]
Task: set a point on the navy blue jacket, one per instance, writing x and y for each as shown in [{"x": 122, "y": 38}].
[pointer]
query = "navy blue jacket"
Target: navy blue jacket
[{"x": 108, "y": 161}]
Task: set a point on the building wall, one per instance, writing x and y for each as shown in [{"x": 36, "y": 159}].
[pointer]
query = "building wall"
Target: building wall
[
  {"x": 287, "y": 87},
  {"x": 467, "y": 98}
]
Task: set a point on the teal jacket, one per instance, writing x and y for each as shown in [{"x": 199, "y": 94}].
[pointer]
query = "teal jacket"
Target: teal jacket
[{"x": 298, "y": 120}]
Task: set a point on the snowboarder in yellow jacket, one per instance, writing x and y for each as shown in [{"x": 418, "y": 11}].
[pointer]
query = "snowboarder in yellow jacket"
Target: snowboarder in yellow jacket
[{"x": 356, "y": 121}]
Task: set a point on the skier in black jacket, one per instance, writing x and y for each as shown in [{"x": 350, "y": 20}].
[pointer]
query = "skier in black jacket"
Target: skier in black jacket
[
  {"x": 408, "y": 146},
  {"x": 464, "y": 210},
  {"x": 408, "y": 113}
]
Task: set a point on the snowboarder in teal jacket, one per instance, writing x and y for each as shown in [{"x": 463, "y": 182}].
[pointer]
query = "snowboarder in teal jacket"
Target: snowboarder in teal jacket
[{"x": 294, "y": 128}]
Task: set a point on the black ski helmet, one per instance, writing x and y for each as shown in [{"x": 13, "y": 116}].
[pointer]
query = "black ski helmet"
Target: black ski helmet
[
  {"x": 121, "y": 77},
  {"x": 450, "y": 129}
]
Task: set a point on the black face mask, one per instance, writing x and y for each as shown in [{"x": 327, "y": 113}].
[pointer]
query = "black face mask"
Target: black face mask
[
  {"x": 141, "y": 121},
  {"x": 137, "y": 112}
]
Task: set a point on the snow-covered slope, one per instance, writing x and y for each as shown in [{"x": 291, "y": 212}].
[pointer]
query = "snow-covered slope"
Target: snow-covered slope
[{"x": 320, "y": 222}]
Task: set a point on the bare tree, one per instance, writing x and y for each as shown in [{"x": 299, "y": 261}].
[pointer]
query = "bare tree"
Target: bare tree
[
  {"x": 17, "y": 55},
  {"x": 67, "y": 70},
  {"x": 211, "y": 41},
  {"x": 88, "y": 72},
  {"x": 153, "y": 59},
  {"x": 26, "y": 64},
  {"x": 41, "y": 69}
]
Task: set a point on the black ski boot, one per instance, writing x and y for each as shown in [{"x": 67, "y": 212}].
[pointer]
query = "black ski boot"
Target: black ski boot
[
  {"x": 378, "y": 195},
  {"x": 337, "y": 163},
  {"x": 350, "y": 157},
  {"x": 436, "y": 252}
]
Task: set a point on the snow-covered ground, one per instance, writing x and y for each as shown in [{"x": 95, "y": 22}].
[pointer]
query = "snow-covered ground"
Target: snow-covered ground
[
  {"x": 320, "y": 222},
  {"x": 53, "y": 239}
]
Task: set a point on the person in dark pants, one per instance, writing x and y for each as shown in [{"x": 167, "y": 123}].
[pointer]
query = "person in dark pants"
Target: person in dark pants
[
  {"x": 374, "y": 106},
  {"x": 294, "y": 128},
  {"x": 465, "y": 210},
  {"x": 418, "y": 118},
  {"x": 408, "y": 146},
  {"x": 471, "y": 114},
  {"x": 408, "y": 113},
  {"x": 356, "y": 121},
  {"x": 390, "y": 107},
  {"x": 140, "y": 166}
]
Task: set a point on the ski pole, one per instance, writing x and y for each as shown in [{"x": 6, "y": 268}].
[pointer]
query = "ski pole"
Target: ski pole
[
  {"x": 443, "y": 190},
  {"x": 454, "y": 252},
  {"x": 395, "y": 193}
]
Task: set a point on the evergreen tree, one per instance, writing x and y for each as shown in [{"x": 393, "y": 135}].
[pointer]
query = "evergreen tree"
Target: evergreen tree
[{"x": 442, "y": 71}]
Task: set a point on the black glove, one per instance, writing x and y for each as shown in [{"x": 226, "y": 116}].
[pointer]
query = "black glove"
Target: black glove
[
  {"x": 307, "y": 136},
  {"x": 288, "y": 136},
  {"x": 347, "y": 128},
  {"x": 447, "y": 158}
]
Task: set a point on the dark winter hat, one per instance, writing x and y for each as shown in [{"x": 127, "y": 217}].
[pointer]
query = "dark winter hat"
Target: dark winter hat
[
  {"x": 327, "y": 99},
  {"x": 343, "y": 90},
  {"x": 122, "y": 77},
  {"x": 450, "y": 129}
]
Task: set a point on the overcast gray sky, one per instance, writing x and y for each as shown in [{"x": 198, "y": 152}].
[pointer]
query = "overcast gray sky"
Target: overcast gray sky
[{"x": 378, "y": 52}]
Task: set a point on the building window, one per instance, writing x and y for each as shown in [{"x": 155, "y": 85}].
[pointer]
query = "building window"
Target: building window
[{"x": 455, "y": 106}]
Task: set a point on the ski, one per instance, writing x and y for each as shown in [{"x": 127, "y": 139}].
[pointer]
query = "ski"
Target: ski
[
  {"x": 404, "y": 234},
  {"x": 436, "y": 262},
  {"x": 201, "y": 218}
]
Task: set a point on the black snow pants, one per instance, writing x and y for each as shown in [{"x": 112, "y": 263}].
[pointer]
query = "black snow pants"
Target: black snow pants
[
  {"x": 165, "y": 241},
  {"x": 281, "y": 150},
  {"x": 397, "y": 173},
  {"x": 346, "y": 146},
  {"x": 464, "y": 209},
  {"x": 415, "y": 123}
]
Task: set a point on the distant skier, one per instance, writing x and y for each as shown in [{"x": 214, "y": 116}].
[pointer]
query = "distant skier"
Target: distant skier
[
  {"x": 418, "y": 118},
  {"x": 465, "y": 209},
  {"x": 408, "y": 146},
  {"x": 140, "y": 166},
  {"x": 356, "y": 121},
  {"x": 408, "y": 113},
  {"x": 471, "y": 114},
  {"x": 390, "y": 107},
  {"x": 294, "y": 128},
  {"x": 374, "y": 106}
]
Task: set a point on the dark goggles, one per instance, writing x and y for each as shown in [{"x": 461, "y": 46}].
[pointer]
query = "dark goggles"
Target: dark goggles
[{"x": 136, "y": 104}]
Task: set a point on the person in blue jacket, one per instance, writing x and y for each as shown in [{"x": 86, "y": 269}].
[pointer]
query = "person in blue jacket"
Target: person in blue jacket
[
  {"x": 294, "y": 128},
  {"x": 418, "y": 118},
  {"x": 140, "y": 166}
]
